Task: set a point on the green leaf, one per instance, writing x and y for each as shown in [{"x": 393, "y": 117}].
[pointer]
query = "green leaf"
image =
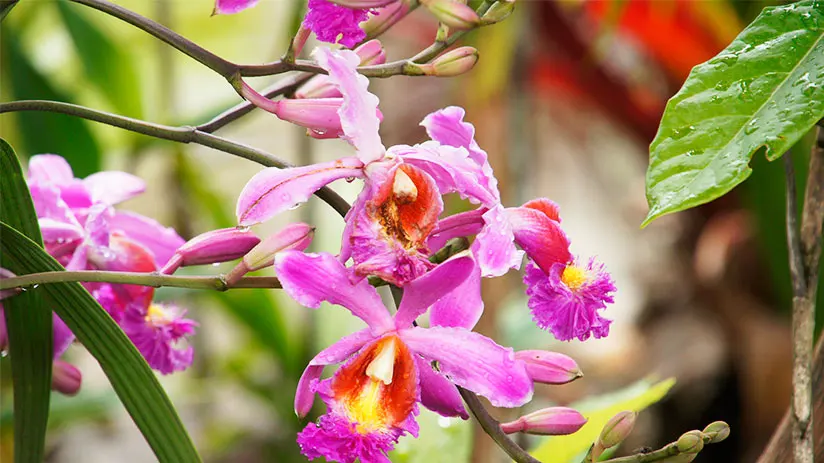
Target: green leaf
[
  {"x": 28, "y": 323},
  {"x": 43, "y": 132},
  {"x": 5, "y": 7},
  {"x": 598, "y": 410},
  {"x": 106, "y": 65},
  {"x": 132, "y": 379},
  {"x": 765, "y": 90}
]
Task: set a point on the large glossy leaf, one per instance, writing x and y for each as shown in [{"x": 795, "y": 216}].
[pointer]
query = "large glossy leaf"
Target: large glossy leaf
[
  {"x": 598, "y": 410},
  {"x": 131, "y": 378},
  {"x": 42, "y": 132},
  {"x": 106, "y": 66},
  {"x": 765, "y": 90},
  {"x": 28, "y": 323}
]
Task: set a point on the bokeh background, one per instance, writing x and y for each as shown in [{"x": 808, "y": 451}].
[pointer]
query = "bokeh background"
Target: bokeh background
[{"x": 565, "y": 99}]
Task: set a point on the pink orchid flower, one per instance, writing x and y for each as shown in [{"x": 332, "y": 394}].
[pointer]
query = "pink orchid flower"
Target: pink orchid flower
[{"x": 389, "y": 367}]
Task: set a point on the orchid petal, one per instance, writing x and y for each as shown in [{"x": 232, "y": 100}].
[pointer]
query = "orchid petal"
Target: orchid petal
[
  {"x": 112, "y": 187},
  {"x": 541, "y": 237},
  {"x": 438, "y": 393},
  {"x": 274, "y": 190},
  {"x": 63, "y": 336},
  {"x": 462, "y": 308},
  {"x": 474, "y": 362},
  {"x": 461, "y": 224},
  {"x": 49, "y": 168},
  {"x": 49, "y": 204},
  {"x": 426, "y": 290},
  {"x": 494, "y": 247},
  {"x": 313, "y": 278},
  {"x": 452, "y": 169},
  {"x": 336, "y": 353},
  {"x": 358, "y": 114},
  {"x": 549, "y": 207},
  {"x": 161, "y": 241},
  {"x": 232, "y": 6},
  {"x": 55, "y": 231},
  {"x": 446, "y": 126},
  {"x": 336, "y": 23}
]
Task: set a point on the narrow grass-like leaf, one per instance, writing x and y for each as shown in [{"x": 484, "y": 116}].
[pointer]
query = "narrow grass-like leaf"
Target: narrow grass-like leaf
[
  {"x": 28, "y": 323},
  {"x": 132, "y": 379},
  {"x": 765, "y": 90},
  {"x": 5, "y": 7}
]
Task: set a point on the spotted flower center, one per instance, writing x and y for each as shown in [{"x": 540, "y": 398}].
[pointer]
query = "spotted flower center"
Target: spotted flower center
[
  {"x": 377, "y": 389},
  {"x": 407, "y": 208},
  {"x": 574, "y": 277}
]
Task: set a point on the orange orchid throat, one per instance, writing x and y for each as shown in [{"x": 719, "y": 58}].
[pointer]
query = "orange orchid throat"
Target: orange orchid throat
[
  {"x": 407, "y": 207},
  {"x": 378, "y": 389}
]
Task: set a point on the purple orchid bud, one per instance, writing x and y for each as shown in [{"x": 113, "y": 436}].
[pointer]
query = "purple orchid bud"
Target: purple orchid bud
[
  {"x": 454, "y": 14},
  {"x": 549, "y": 367},
  {"x": 319, "y": 115},
  {"x": 212, "y": 247},
  {"x": 6, "y": 293},
  {"x": 455, "y": 62},
  {"x": 321, "y": 86},
  {"x": 66, "y": 378},
  {"x": 296, "y": 236},
  {"x": 386, "y": 17},
  {"x": 232, "y": 6},
  {"x": 552, "y": 421},
  {"x": 614, "y": 432}
]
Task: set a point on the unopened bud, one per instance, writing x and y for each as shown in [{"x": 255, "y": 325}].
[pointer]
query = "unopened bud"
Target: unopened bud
[
  {"x": 717, "y": 431},
  {"x": 212, "y": 247},
  {"x": 66, "y": 378},
  {"x": 549, "y": 367},
  {"x": 553, "y": 421},
  {"x": 454, "y": 14},
  {"x": 321, "y": 86},
  {"x": 6, "y": 293},
  {"x": 455, "y": 62},
  {"x": 295, "y": 236},
  {"x": 386, "y": 17},
  {"x": 499, "y": 11},
  {"x": 690, "y": 442},
  {"x": 617, "y": 429}
]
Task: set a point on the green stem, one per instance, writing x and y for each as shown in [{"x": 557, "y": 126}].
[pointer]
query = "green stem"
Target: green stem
[
  {"x": 154, "y": 280},
  {"x": 178, "y": 134},
  {"x": 667, "y": 451}
]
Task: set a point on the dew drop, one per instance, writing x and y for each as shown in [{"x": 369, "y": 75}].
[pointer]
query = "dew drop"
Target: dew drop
[
  {"x": 350, "y": 179},
  {"x": 4, "y": 353},
  {"x": 35, "y": 286},
  {"x": 216, "y": 264},
  {"x": 293, "y": 207}
]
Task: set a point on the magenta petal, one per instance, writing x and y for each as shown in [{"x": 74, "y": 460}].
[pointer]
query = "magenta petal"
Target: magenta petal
[
  {"x": 112, "y": 187},
  {"x": 54, "y": 231},
  {"x": 438, "y": 393},
  {"x": 161, "y": 241},
  {"x": 336, "y": 353},
  {"x": 49, "y": 168},
  {"x": 313, "y": 278},
  {"x": 494, "y": 247},
  {"x": 462, "y": 308},
  {"x": 541, "y": 237},
  {"x": 63, "y": 336},
  {"x": 474, "y": 362},
  {"x": 274, "y": 190},
  {"x": 334, "y": 23},
  {"x": 359, "y": 112},
  {"x": 462, "y": 224},
  {"x": 233, "y": 6},
  {"x": 49, "y": 204},
  {"x": 426, "y": 290},
  {"x": 452, "y": 169}
]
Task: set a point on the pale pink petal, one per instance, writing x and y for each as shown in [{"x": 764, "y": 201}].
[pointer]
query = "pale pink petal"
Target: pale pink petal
[
  {"x": 359, "y": 112},
  {"x": 274, "y": 190},
  {"x": 462, "y": 224},
  {"x": 474, "y": 362},
  {"x": 336, "y": 353},
  {"x": 50, "y": 169},
  {"x": 541, "y": 237},
  {"x": 426, "y": 290},
  {"x": 112, "y": 187},
  {"x": 55, "y": 231},
  {"x": 313, "y": 278},
  {"x": 462, "y": 308},
  {"x": 494, "y": 247},
  {"x": 233, "y": 6},
  {"x": 161, "y": 241},
  {"x": 438, "y": 393}
]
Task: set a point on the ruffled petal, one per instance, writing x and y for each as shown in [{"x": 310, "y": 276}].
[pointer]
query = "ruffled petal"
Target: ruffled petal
[
  {"x": 160, "y": 335},
  {"x": 431, "y": 287},
  {"x": 232, "y": 6},
  {"x": 438, "y": 393},
  {"x": 313, "y": 278},
  {"x": 474, "y": 362},
  {"x": 161, "y": 241},
  {"x": 274, "y": 190},
  {"x": 359, "y": 112},
  {"x": 112, "y": 187},
  {"x": 447, "y": 127},
  {"x": 335, "y": 24},
  {"x": 494, "y": 247},
  {"x": 452, "y": 168},
  {"x": 461, "y": 308},
  {"x": 336, "y": 353},
  {"x": 542, "y": 238}
]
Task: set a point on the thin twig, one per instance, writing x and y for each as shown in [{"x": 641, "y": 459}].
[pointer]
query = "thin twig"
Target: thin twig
[
  {"x": 667, "y": 451},
  {"x": 178, "y": 134},
  {"x": 155, "y": 280}
]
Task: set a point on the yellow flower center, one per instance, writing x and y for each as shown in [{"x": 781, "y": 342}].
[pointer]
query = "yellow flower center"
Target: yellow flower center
[
  {"x": 367, "y": 410},
  {"x": 156, "y": 315},
  {"x": 573, "y": 277}
]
